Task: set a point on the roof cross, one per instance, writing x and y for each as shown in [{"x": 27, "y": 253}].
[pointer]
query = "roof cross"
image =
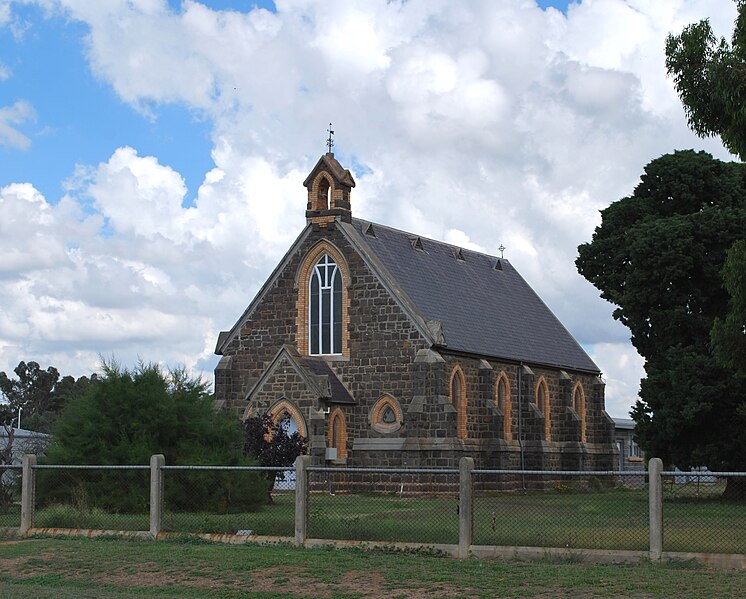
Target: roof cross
[
  {"x": 502, "y": 249},
  {"x": 330, "y": 139}
]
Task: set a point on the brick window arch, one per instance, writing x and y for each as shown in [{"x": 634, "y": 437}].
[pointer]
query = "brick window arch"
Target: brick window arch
[
  {"x": 322, "y": 309},
  {"x": 505, "y": 404},
  {"x": 321, "y": 192},
  {"x": 337, "y": 434},
  {"x": 544, "y": 405},
  {"x": 386, "y": 415},
  {"x": 578, "y": 404},
  {"x": 285, "y": 407},
  {"x": 459, "y": 401}
]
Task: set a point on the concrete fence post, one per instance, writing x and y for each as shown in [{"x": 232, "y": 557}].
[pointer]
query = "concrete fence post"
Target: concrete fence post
[
  {"x": 156, "y": 494},
  {"x": 655, "y": 467},
  {"x": 28, "y": 493},
  {"x": 302, "y": 462},
  {"x": 465, "y": 503}
]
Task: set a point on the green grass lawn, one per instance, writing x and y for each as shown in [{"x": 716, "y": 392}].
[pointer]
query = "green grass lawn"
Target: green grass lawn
[
  {"x": 116, "y": 568},
  {"x": 609, "y": 519}
]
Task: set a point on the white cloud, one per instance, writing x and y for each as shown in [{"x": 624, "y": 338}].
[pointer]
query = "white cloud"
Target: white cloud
[
  {"x": 623, "y": 369},
  {"x": 16, "y": 114},
  {"x": 4, "y": 12},
  {"x": 477, "y": 122},
  {"x": 4, "y": 70}
]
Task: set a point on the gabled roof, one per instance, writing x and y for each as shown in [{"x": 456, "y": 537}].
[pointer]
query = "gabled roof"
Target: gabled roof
[
  {"x": 332, "y": 165},
  {"x": 483, "y": 305},
  {"x": 317, "y": 375},
  {"x": 462, "y": 300}
]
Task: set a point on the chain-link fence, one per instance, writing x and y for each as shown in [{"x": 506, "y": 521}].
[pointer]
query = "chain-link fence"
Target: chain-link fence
[
  {"x": 701, "y": 514},
  {"x": 92, "y": 497},
  {"x": 229, "y": 500},
  {"x": 589, "y": 510},
  {"x": 384, "y": 505},
  {"x": 10, "y": 496},
  {"x": 583, "y": 510}
]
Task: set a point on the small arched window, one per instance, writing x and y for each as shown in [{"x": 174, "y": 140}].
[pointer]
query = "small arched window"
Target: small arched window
[
  {"x": 505, "y": 404},
  {"x": 458, "y": 399},
  {"x": 542, "y": 402},
  {"x": 322, "y": 201},
  {"x": 578, "y": 404},
  {"x": 325, "y": 308},
  {"x": 386, "y": 415},
  {"x": 337, "y": 436},
  {"x": 294, "y": 423}
]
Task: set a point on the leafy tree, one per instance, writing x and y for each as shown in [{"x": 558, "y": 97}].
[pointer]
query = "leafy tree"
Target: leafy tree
[
  {"x": 129, "y": 416},
  {"x": 729, "y": 333},
  {"x": 710, "y": 77},
  {"x": 657, "y": 255},
  {"x": 270, "y": 444},
  {"x": 40, "y": 394}
]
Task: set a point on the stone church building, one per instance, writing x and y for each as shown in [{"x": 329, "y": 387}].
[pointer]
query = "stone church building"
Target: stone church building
[{"x": 390, "y": 349}]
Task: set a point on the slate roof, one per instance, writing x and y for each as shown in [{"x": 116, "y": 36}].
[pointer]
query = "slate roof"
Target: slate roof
[
  {"x": 319, "y": 367},
  {"x": 483, "y": 310}
]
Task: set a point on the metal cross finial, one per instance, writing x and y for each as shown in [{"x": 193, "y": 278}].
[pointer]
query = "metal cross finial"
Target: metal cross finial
[
  {"x": 502, "y": 249},
  {"x": 330, "y": 140}
]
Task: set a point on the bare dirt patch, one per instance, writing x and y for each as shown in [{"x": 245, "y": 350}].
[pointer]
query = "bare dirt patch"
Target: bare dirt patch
[{"x": 297, "y": 582}]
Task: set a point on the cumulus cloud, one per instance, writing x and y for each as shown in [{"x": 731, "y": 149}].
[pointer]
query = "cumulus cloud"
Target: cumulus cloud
[
  {"x": 623, "y": 369},
  {"x": 480, "y": 123},
  {"x": 16, "y": 114}
]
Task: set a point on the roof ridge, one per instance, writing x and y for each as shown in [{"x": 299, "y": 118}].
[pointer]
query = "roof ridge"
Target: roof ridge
[{"x": 361, "y": 221}]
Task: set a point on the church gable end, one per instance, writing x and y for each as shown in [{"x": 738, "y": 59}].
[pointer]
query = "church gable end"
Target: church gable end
[{"x": 384, "y": 364}]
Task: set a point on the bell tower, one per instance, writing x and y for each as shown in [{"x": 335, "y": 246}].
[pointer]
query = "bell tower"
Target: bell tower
[{"x": 329, "y": 186}]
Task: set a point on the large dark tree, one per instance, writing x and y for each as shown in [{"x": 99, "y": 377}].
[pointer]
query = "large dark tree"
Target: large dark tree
[
  {"x": 710, "y": 76},
  {"x": 729, "y": 333},
  {"x": 658, "y": 256}
]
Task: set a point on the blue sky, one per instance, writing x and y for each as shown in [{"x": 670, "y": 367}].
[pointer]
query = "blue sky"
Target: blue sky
[
  {"x": 78, "y": 118},
  {"x": 152, "y": 153}
]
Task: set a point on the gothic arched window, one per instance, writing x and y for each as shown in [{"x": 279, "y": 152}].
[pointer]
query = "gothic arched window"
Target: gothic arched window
[
  {"x": 578, "y": 404},
  {"x": 458, "y": 399},
  {"x": 505, "y": 404},
  {"x": 337, "y": 435},
  {"x": 544, "y": 405},
  {"x": 325, "y": 308}
]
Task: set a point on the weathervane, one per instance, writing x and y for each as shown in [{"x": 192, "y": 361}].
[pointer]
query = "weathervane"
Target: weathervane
[
  {"x": 330, "y": 140},
  {"x": 502, "y": 249}
]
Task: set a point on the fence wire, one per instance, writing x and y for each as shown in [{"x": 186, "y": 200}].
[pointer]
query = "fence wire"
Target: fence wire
[
  {"x": 92, "y": 497},
  {"x": 699, "y": 516},
  {"x": 10, "y": 496},
  {"x": 593, "y": 510},
  {"x": 225, "y": 500},
  {"x": 392, "y": 505}
]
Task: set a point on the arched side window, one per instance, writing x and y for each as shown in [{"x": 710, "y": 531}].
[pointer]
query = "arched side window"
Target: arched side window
[
  {"x": 296, "y": 421},
  {"x": 459, "y": 401},
  {"x": 505, "y": 404},
  {"x": 578, "y": 404},
  {"x": 323, "y": 302},
  {"x": 337, "y": 434},
  {"x": 542, "y": 402},
  {"x": 325, "y": 308},
  {"x": 323, "y": 194},
  {"x": 386, "y": 415}
]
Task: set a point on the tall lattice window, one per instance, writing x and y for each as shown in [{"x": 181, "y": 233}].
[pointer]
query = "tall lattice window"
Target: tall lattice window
[{"x": 325, "y": 308}]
